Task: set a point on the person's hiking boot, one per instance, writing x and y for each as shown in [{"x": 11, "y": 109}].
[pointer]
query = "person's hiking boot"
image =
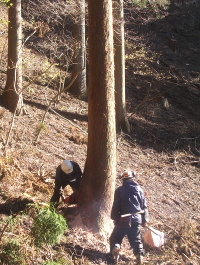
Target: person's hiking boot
[
  {"x": 115, "y": 252},
  {"x": 139, "y": 259}
]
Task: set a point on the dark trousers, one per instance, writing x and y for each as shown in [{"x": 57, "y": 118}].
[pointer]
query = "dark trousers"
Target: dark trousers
[{"x": 134, "y": 238}]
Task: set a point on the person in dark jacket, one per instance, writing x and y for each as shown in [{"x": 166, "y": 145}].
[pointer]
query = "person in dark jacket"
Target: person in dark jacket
[
  {"x": 129, "y": 211},
  {"x": 68, "y": 173}
]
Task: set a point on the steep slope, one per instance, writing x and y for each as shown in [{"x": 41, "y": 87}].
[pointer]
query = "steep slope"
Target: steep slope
[{"x": 163, "y": 99}]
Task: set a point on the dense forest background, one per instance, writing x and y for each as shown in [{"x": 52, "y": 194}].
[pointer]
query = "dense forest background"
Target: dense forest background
[{"x": 163, "y": 106}]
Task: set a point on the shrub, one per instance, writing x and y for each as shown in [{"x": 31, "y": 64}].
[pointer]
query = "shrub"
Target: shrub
[{"x": 48, "y": 227}]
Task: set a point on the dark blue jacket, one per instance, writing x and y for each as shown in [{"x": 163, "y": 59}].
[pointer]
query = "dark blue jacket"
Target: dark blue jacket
[{"x": 129, "y": 199}]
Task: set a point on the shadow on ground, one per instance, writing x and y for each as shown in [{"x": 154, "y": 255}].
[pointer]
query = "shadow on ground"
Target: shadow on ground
[{"x": 14, "y": 205}]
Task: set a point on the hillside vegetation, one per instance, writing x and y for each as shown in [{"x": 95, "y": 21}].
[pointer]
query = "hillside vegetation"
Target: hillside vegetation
[{"x": 163, "y": 148}]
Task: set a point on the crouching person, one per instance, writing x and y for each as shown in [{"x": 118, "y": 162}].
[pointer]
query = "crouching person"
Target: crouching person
[
  {"x": 68, "y": 173},
  {"x": 129, "y": 211}
]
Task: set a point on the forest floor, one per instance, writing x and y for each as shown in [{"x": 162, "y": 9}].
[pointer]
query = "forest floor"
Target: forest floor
[{"x": 163, "y": 148}]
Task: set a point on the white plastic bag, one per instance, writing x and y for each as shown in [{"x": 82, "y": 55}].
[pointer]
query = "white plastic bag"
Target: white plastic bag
[{"x": 153, "y": 238}]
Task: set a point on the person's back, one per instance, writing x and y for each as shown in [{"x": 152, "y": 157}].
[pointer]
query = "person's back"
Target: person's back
[
  {"x": 129, "y": 210},
  {"x": 130, "y": 200}
]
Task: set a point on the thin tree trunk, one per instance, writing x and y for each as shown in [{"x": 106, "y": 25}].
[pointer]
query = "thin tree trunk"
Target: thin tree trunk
[
  {"x": 12, "y": 97},
  {"x": 98, "y": 182},
  {"x": 79, "y": 87},
  {"x": 121, "y": 115}
]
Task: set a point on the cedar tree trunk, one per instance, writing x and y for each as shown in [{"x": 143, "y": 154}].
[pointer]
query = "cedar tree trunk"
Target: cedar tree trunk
[
  {"x": 121, "y": 116},
  {"x": 79, "y": 87},
  {"x": 98, "y": 184}
]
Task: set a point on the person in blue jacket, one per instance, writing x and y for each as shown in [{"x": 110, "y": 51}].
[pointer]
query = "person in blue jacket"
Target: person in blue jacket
[
  {"x": 67, "y": 173},
  {"x": 129, "y": 211}
]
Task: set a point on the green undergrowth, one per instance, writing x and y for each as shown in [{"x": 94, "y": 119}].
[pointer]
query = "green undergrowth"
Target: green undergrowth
[
  {"x": 35, "y": 230},
  {"x": 11, "y": 253},
  {"x": 48, "y": 227}
]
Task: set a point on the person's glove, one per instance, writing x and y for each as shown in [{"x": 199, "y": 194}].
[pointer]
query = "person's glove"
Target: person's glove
[
  {"x": 72, "y": 199},
  {"x": 66, "y": 200}
]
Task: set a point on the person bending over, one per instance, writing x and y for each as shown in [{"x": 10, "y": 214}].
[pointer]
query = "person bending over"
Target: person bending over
[{"x": 68, "y": 173}]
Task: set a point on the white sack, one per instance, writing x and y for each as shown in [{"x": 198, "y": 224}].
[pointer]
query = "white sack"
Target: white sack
[{"x": 153, "y": 238}]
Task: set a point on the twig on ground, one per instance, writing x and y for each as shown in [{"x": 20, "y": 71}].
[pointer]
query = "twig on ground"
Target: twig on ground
[
  {"x": 6, "y": 225},
  {"x": 75, "y": 125},
  {"x": 186, "y": 257},
  {"x": 53, "y": 99},
  {"x": 10, "y": 130},
  {"x": 165, "y": 223},
  {"x": 38, "y": 78}
]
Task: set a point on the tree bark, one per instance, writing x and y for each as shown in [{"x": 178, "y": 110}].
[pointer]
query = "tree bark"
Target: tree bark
[
  {"x": 79, "y": 87},
  {"x": 122, "y": 123},
  {"x": 12, "y": 95},
  {"x": 98, "y": 183}
]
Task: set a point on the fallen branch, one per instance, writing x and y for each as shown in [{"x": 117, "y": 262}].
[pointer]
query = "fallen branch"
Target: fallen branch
[
  {"x": 38, "y": 78},
  {"x": 53, "y": 99},
  {"x": 186, "y": 257},
  {"x": 165, "y": 223},
  {"x": 75, "y": 125}
]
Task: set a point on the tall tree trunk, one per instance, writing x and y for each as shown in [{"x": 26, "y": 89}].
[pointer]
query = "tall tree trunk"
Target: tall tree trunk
[
  {"x": 79, "y": 87},
  {"x": 12, "y": 95},
  {"x": 121, "y": 115},
  {"x": 98, "y": 184}
]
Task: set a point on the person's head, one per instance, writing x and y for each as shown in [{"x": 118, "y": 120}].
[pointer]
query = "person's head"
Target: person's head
[
  {"x": 127, "y": 175},
  {"x": 67, "y": 166}
]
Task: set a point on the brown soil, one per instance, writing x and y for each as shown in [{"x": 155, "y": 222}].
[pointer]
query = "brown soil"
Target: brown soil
[{"x": 163, "y": 148}]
